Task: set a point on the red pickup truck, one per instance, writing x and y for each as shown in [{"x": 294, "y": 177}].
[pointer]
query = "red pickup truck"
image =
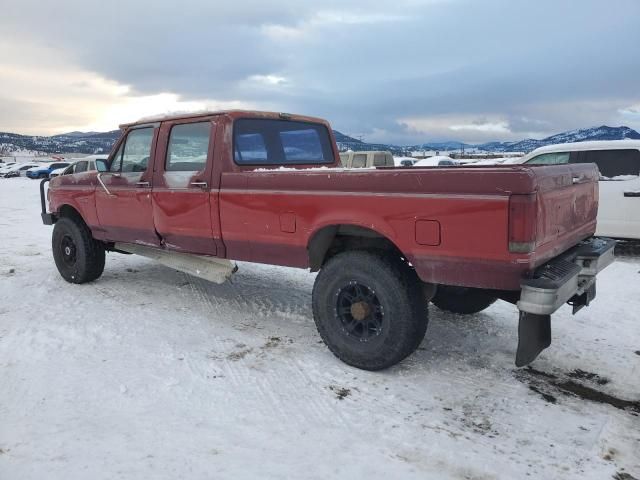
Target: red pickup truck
[{"x": 267, "y": 187}]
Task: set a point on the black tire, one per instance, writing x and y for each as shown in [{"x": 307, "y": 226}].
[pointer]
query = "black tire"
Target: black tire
[
  {"x": 78, "y": 256},
  {"x": 390, "y": 317},
  {"x": 462, "y": 300}
]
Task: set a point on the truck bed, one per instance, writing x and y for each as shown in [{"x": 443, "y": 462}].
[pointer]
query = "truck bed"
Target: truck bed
[{"x": 452, "y": 224}]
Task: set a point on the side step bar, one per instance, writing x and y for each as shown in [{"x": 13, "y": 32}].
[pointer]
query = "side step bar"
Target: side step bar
[{"x": 210, "y": 268}]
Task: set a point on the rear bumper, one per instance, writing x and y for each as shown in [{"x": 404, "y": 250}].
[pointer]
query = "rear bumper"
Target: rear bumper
[{"x": 570, "y": 277}]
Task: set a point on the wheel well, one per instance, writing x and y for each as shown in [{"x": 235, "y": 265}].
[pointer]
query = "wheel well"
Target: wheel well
[
  {"x": 334, "y": 239},
  {"x": 69, "y": 212}
]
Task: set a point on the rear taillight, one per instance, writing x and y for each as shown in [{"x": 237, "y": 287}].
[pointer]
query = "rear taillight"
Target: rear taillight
[{"x": 523, "y": 223}]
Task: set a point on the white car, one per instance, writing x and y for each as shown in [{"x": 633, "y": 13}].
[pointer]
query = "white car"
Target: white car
[
  {"x": 404, "y": 161},
  {"x": 619, "y": 165},
  {"x": 489, "y": 161},
  {"x": 437, "y": 161},
  {"x": 87, "y": 164},
  {"x": 18, "y": 169},
  {"x": 5, "y": 166}
]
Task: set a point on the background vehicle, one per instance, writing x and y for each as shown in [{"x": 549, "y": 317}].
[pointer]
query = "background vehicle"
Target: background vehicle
[
  {"x": 18, "y": 169},
  {"x": 44, "y": 170},
  {"x": 619, "y": 188},
  {"x": 5, "y": 166},
  {"x": 199, "y": 190},
  {"x": 87, "y": 164},
  {"x": 437, "y": 161},
  {"x": 404, "y": 161},
  {"x": 366, "y": 159}
]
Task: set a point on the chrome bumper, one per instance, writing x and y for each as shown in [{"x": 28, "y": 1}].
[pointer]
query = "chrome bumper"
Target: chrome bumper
[{"x": 570, "y": 277}]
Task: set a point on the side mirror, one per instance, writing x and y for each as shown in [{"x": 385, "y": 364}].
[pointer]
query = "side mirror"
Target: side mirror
[{"x": 101, "y": 165}]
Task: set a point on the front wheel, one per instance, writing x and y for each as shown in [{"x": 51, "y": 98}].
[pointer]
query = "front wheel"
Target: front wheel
[
  {"x": 461, "y": 299},
  {"x": 369, "y": 309},
  {"x": 78, "y": 256}
]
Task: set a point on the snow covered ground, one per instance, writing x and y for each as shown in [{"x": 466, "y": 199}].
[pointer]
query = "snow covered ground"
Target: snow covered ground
[{"x": 150, "y": 373}]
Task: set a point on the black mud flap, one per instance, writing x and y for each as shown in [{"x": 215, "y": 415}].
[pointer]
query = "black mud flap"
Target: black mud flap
[{"x": 534, "y": 335}]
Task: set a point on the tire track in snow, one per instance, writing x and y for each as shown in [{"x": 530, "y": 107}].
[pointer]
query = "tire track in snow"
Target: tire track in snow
[{"x": 288, "y": 380}]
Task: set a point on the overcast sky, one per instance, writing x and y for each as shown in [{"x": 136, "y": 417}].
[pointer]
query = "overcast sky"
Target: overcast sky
[{"x": 402, "y": 71}]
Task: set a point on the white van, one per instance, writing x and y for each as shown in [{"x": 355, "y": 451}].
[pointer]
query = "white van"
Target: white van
[{"x": 619, "y": 165}]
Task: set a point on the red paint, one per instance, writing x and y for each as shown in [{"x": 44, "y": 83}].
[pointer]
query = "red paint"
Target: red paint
[{"x": 272, "y": 216}]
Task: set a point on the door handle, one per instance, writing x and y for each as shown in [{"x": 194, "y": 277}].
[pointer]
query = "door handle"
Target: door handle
[
  {"x": 99, "y": 177},
  {"x": 202, "y": 185},
  {"x": 143, "y": 184},
  {"x": 632, "y": 194},
  {"x": 576, "y": 180}
]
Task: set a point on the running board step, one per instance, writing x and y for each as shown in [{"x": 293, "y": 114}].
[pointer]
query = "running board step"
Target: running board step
[{"x": 210, "y": 268}]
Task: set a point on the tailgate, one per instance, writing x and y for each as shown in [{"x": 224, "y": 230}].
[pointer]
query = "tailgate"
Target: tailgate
[{"x": 567, "y": 205}]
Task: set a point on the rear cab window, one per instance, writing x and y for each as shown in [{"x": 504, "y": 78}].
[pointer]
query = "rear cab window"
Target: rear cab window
[{"x": 281, "y": 142}]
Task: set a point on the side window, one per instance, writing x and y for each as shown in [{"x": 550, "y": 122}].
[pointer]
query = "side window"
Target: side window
[
  {"x": 359, "y": 160},
  {"x": 615, "y": 164},
  {"x": 137, "y": 149},
  {"x": 550, "y": 159},
  {"x": 188, "y": 147},
  {"x": 379, "y": 160},
  {"x": 116, "y": 163},
  {"x": 80, "y": 167}
]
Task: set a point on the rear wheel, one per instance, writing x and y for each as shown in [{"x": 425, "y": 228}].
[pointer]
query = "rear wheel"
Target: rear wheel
[
  {"x": 369, "y": 309},
  {"x": 461, "y": 299},
  {"x": 78, "y": 256}
]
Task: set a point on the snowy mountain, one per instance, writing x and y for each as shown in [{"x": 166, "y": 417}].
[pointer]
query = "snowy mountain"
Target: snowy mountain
[
  {"x": 101, "y": 142},
  {"x": 581, "y": 135},
  {"x": 73, "y": 142}
]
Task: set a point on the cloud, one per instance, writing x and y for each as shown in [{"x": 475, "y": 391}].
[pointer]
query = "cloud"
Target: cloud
[{"x": 529, "y": 68}]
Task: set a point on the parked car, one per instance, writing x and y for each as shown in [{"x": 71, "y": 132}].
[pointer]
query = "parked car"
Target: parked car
[
  {"x": 404, "y": 161},
  {"x": 366, "y": 159},
  {"x": 18, "y": 169},
  {"x": 490, "y": 161},
  {"x": 85, "y": 165},
  {"x": 384, "y": 241},
  {"x": 5, "y": 166},
  {"x": 44, "y": 170},
  {"x": 437, "y": 161},
  {"x": 619, "y": 164}
]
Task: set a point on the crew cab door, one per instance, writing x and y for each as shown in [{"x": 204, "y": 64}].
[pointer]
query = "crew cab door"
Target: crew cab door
[
  {"x": 185, "y": 197},
  {"x": 123, "y": 194}
]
